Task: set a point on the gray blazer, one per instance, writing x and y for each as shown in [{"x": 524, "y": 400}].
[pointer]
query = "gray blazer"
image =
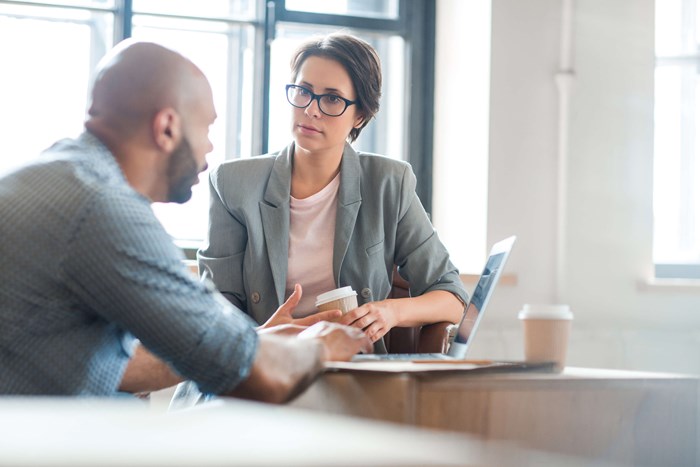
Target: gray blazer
[{"x": 380, "y": 222}]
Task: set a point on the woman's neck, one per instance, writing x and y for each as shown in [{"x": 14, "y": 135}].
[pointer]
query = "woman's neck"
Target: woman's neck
[{"x": 312, "y": 171}]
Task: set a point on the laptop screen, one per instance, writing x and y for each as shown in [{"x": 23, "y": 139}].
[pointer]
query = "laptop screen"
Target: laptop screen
[{"x": 480, "y": 297}]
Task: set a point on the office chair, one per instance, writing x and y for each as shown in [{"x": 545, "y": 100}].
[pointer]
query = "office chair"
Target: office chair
[{"x": 431, "y": 338}]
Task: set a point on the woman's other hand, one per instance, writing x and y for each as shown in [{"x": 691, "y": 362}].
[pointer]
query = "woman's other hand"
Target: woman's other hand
[{"x": 374, "y": 318}]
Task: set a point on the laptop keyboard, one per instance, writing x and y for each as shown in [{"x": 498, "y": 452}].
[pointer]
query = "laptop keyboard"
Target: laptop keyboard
[{"x": 400, "y": 356}]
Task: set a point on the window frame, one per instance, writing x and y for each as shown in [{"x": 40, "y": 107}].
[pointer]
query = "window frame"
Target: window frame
[
  {"x": 415, "y": 23},
  {"x": 687, "y": 156}
]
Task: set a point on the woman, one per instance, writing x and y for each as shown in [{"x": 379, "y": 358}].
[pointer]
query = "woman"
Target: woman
[{"x": 321, "y": 215}]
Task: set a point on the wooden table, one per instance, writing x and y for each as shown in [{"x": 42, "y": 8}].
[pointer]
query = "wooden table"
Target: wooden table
[
  {"x": 76, "y": 432},
  {"x": 621, "y": 417}
]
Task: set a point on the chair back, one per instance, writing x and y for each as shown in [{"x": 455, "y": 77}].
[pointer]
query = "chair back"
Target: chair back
[{"x": 430, "y": 338}]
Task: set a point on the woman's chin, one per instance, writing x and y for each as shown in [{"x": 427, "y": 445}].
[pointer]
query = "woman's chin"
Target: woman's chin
[{"x": 307, "y": 144}]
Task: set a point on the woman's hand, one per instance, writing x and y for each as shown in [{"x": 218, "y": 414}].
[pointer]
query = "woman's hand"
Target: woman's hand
[
  {"x": 374, "y": 318},
  {"x": 283, "y": 315}
]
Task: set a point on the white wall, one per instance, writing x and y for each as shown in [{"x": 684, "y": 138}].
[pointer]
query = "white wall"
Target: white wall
[
  {"x": 461, "y": 113},
  {"x": 596, "y": 251}
]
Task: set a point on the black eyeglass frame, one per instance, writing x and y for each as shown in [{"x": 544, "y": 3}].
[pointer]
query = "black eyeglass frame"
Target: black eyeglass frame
[{"x": 317, "y": 98}]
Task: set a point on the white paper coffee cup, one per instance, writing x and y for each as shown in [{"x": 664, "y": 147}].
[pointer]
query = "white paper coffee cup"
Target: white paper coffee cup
[
  {"x": 343, "y": 299},
  {"x": 546, "y": 330}
]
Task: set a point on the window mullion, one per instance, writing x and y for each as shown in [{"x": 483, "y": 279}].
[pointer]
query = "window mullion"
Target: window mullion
[
  {"x": 272, "y": 9},
  {"x": 687, "y": 162},
  {"x": 123, "y": 20}
]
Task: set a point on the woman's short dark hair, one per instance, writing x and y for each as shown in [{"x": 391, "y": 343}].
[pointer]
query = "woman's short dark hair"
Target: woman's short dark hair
[{"x": 361, "y": 62}]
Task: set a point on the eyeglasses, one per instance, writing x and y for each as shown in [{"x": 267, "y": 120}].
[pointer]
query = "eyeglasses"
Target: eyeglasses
[{"x": 329, "y": 104}]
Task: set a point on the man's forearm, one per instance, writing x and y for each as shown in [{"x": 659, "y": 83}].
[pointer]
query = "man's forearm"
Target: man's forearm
[
  {"x": 286, "y": 362},
  {"x": 283, "y": 368},
  {"x": 146, "y": 372}
]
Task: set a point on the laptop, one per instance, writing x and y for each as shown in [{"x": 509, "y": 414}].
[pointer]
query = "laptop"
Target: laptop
[{"x": 473, "y": 311}]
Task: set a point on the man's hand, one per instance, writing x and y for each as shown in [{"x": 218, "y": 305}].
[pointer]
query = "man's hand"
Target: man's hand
[
  {"x": 340, "y": 342},
  {"x": 282, "y": 330},
  {"x": 285, "y": 366},
  {"x": 283, "y": 315}
]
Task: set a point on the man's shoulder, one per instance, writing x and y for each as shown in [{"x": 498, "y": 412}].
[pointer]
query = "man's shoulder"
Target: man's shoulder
[
  {"x": 84, "y": 180},
  {"x": 84, "y": 162},
  {"x": 53, "y": 180}
]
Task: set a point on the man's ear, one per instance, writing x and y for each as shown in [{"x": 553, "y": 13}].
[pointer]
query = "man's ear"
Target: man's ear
[{"x": 167, "y": 129}]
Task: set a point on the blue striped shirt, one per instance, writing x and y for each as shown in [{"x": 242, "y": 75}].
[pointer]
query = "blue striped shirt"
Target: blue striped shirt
[{"x": 86, "y": 269}]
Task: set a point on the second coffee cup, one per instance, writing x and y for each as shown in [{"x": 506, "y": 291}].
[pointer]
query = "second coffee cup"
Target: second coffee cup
[
  {"x": 547, "y": 329},
  {"x": 343, "y": 299}
]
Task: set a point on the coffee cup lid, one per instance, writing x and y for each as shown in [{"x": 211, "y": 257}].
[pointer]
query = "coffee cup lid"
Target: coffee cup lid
[
  {"x": 335, "y": 295},
  {"x": 545, "y": 312}
]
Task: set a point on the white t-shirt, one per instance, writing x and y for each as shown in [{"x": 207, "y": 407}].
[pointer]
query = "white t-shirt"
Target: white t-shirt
[{"x": 311, "y": 235}]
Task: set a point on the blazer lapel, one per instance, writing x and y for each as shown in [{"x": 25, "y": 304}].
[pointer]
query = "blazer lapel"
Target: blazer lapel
[
  {"x": 274, "y": 212},
  {"x": 349, "y": 201}
]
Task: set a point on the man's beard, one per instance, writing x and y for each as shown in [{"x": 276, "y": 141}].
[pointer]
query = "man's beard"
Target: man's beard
[{"x": 183, "y": 173}]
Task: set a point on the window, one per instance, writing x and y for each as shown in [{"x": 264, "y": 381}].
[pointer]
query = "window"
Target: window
[
  {"x": 47, "y": 56},
  {"x": 677, "y": 143},
  {"x": 220, "y": 39},
  {"x": 244, "y": 48},
  {"x": 364, "y": 8}
]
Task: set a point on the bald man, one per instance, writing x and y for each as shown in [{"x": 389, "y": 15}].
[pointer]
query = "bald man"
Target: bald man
[{"x": 91, "y": 280}]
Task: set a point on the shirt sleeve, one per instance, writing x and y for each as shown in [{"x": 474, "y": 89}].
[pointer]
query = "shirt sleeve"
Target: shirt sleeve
[
  {"x": 421, "y": 257},
  {"x": 124, "y": 268}
]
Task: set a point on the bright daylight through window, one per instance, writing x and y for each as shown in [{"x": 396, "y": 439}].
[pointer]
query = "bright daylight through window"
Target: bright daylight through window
[
  {"x": 677, "y": 140},
  {"x": 58, "y": 43}
]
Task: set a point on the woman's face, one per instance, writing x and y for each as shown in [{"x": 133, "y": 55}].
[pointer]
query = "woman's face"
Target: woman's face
[{"x": 313, "y": 130}]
